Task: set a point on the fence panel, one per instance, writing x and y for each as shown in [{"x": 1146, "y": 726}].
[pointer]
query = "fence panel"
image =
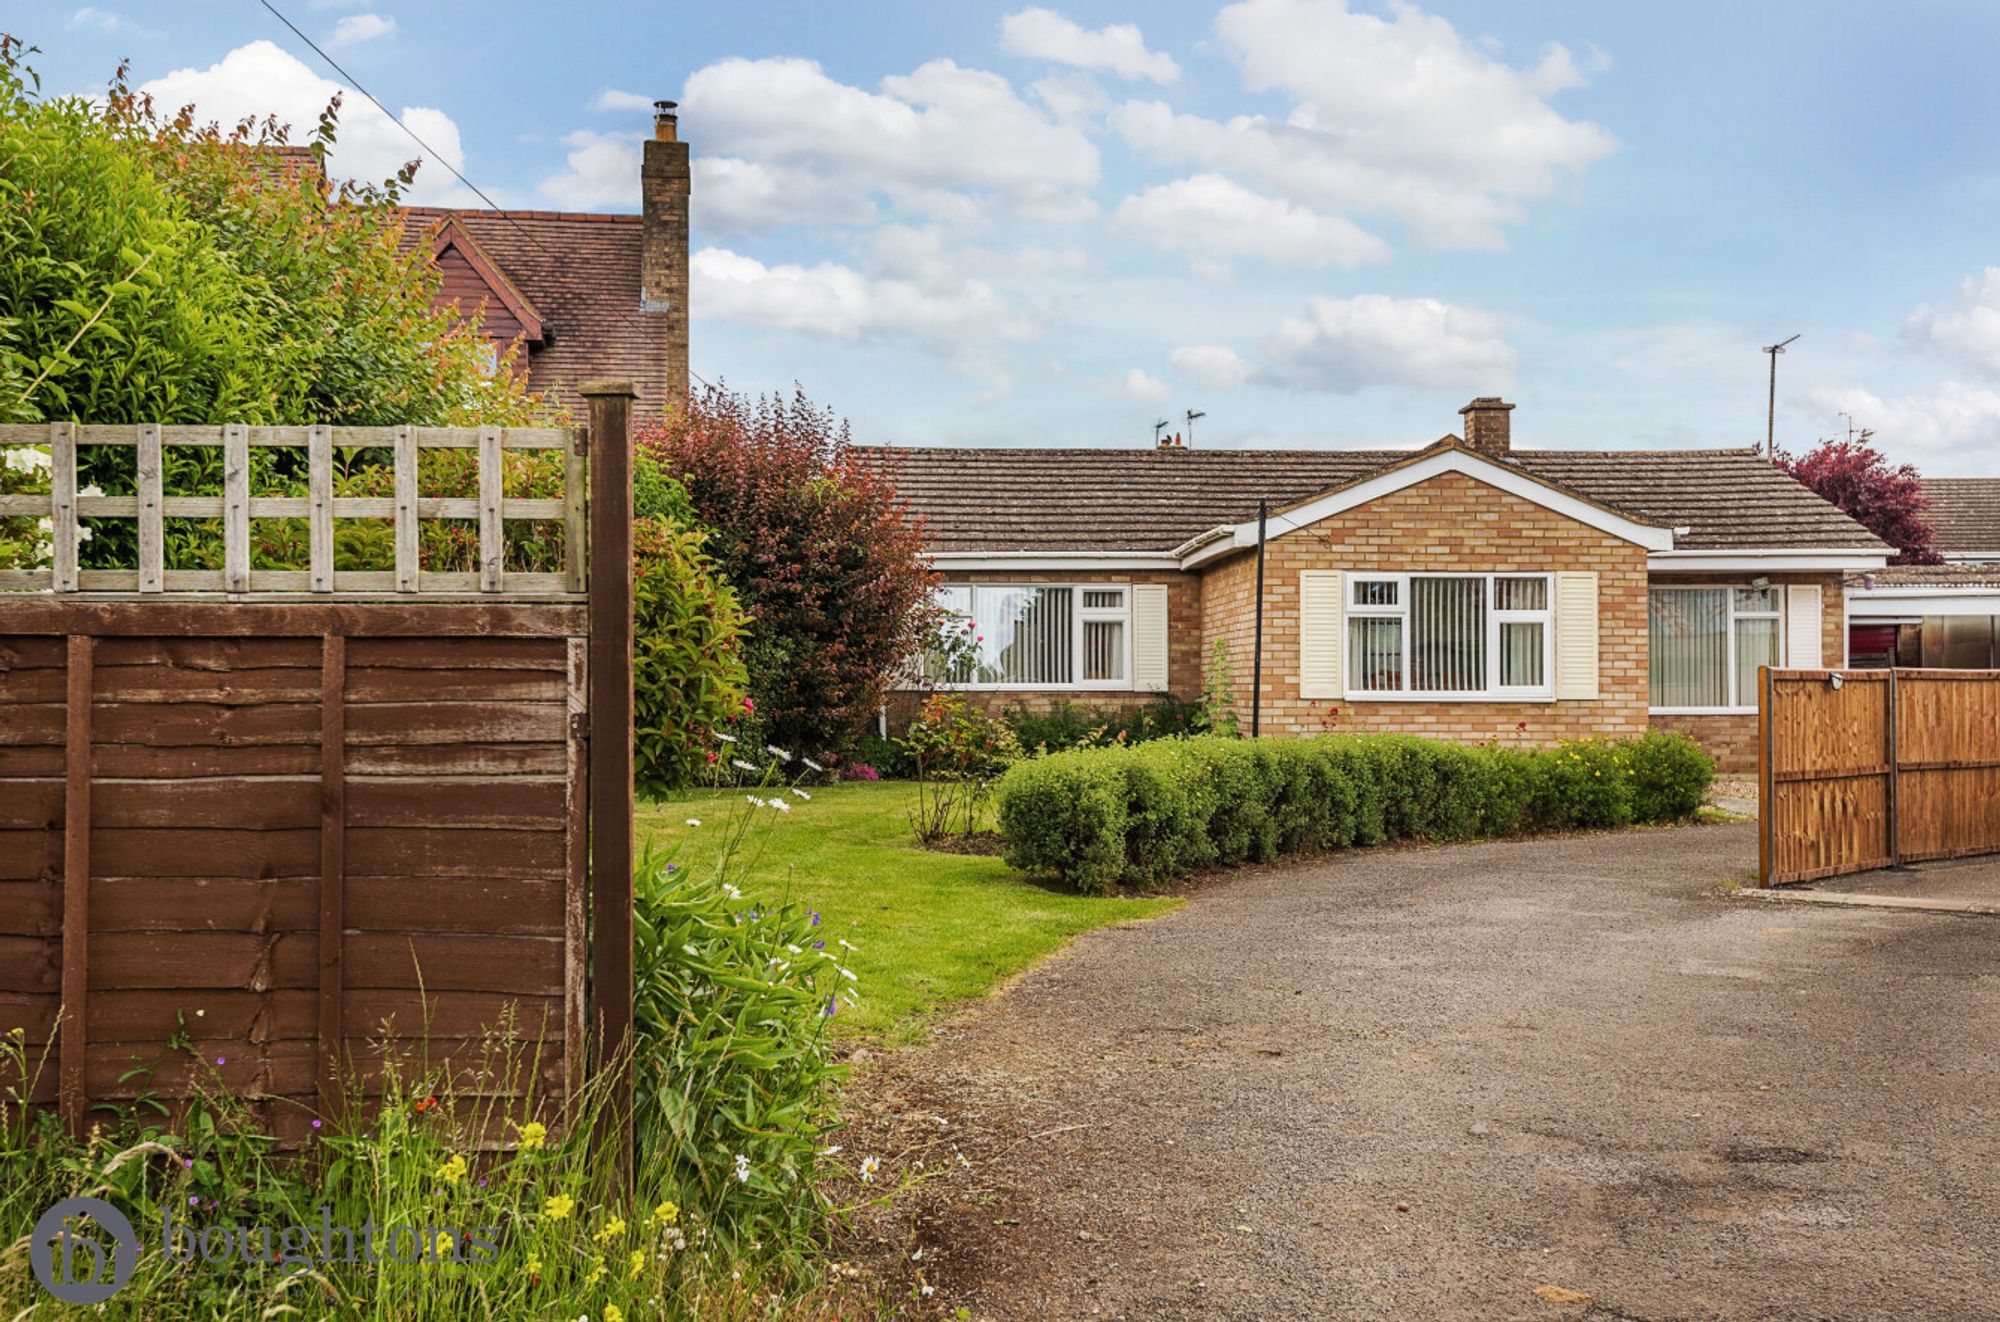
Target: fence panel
[
  {"x": 278, "y": 841},
  {"x": 1862, "y": 769}
]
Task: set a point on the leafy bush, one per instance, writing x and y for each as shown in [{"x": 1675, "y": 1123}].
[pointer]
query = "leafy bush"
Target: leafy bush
[
  {"x": 1103, "y": 817},
  {"x": 687, "y": 660},
  {"x": 819, "y": 551},
  {"x": 956, "y": 753},
  {"x": 1068, "y": 725},
  {"x": 888, "y": 757}
]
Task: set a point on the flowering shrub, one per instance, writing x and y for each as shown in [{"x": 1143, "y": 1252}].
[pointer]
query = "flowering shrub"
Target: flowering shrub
[
  {"x": 1101, "y": 817},
  {"x": 956, "y": 752},
  {"x": 818, "y": 549}
]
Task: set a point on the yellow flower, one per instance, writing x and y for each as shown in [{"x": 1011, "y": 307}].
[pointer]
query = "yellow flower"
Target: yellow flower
[
  {"x": 452, "y": 1170},
  {"x": 596, "y": 1273},
  {"x": 666, "y": 1214},
  {"x": 441, "y": 1246},
  {"x": 559, "y": 1207},
  {"x": 533, "y": 1267},
  {"x": 613, "y": 1313},
  {"x": 612, "y": 1230},
  {"x": 534, "y": 1134},
  {"x": 638, "y": 1260}
]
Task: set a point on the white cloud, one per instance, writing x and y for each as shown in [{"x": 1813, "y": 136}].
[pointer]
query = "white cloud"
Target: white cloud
[
  {"x": 1071, "y": 96},
  {"x": 357, "y": 28},
  {"x": 602, "y": 172},
  {"x": 1965, "y": 331},
  {"x": 944, "y": 140},
  {"x": 1216, "y": 366},
  {"x": 262, "y": 79},
  {"x": 1952, "y": 429},
  {"x": 1137, "y": 384},
  {"x": 1345, "y": 345},
  {"x": 101, "y": 20},
  {"x": 1399, "y": 116},
  {"x": 1043, "y": 34},
  {"x": 735, "y": 196},
  {"x": 613, "y": 99},
  {"x": 1209, "y": 217}
]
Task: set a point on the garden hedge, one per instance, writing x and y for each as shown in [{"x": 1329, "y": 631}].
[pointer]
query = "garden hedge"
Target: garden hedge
[{"x": 1133, "y": 816}]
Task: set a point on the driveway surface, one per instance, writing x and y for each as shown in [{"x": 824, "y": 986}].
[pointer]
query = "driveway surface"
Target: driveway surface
[{"x": 1548, "y": 1079}]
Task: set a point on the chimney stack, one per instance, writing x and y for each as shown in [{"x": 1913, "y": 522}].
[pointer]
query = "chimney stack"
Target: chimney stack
[
  {"x": 663, "y": 258},
  {"x": 1486, "y": 425}
]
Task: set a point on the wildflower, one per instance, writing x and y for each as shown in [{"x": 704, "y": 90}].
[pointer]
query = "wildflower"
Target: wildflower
[
  {"x": 452, "y": 1170},
  {"x": 713, "y": 759},
  {"x": 612, "y": 1230},
  {"x": 596, "y": 1273},
  {"x": 844, "y": 944},
  {"x": 742, "y": 1169},
  {"x": 814, "y": 765},
  {"x": 725, "y": 738},
  {"x": 753, "y": 801},
  {"x": 781, "y": 805},
  {"x": 777, "y": 752},
  {"x": 533, "y": 1135},
  {"x": 740, "y": 764},
  {"x": 819, "y": 945},
  {"x": 731, "y": 891},
  {"x": 869, "y": 1165},
  {"x": 315, "y": 1124},
  {"x": 749, "y": 706},
  {"x": 441, "y": 1246},
  {"x": 666, "y": 1213},
  {"x": 638, "y": 1260},
  {"x": 221, "y": 1061},
  {"x": 559, "y": 1207},
  {"x": 815, "y": 917},
  {"x": 831, "y": 1150},
  {"x": 802, "y": 794},
  {"x": 694, "y": 821},
  {"x": 533, "y": 1266},
  {"x": 832, "y": 1004},
  {"x": 847, "y": 974},
  {"x": 613, "y": 1313}
]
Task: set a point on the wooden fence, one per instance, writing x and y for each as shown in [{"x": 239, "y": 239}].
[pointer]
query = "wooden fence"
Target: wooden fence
[
  {"x": 270, "y": 836},
  {"x": 1861, "y": 769}
]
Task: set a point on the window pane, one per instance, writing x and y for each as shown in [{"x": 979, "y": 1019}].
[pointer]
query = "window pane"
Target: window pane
[
  {"x": 1101, "y": 599},
  {"x": 1026, "y": 635},
  {"x": 1375, "y": 654},
  {"x": 1447, "y": 635},
  {"x": 1521, "y": 654},
  {"x": 1375, "y": 593},
  {"x": 1756, "y": 645},
  {"x": 1521, "y": 594},
  {"x": 1103, "y": 648},
  {"x": 1688, "y": 636},
  {"x": 1756, "y": 599}
]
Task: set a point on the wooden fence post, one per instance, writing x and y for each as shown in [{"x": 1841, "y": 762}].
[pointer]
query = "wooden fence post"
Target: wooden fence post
[
  {"x": 72, "y": 1089},
  {"x": 332, "y": 868},
  {"x": 611, "y": 739},
  {"x": 1895, "y": 808},
  {"x": 1766, "y": 808}
]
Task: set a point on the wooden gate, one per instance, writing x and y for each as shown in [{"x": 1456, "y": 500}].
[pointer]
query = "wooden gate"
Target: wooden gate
[
  {"x": 1861, "y": 769},
  {"x": 264, "y": 830}
]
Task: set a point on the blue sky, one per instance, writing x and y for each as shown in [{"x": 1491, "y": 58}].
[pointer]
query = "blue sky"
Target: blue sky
[{"x": 1323, "y": 223}]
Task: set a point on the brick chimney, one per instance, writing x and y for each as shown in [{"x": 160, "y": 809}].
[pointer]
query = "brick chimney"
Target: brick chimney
[
  {"x": 1486, "y": 427},
  {"x": 663, "y": 260}
]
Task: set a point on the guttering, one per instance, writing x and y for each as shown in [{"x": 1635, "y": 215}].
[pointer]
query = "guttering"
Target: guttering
[
  {"x": 1885, "y": 603},
  {"x": 1771, "y": 559}
]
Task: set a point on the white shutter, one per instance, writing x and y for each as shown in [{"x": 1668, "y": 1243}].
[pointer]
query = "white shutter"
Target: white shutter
[
  {"x": 1802, "y": 623},
  {"x": 1149, "y": 637},
  {"x": 1576, "y": 636},
  {"x": 1320, "y": 610}
]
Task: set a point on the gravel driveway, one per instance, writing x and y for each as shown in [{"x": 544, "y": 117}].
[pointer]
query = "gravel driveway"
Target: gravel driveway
[{"x": 1475, "y": 1082}]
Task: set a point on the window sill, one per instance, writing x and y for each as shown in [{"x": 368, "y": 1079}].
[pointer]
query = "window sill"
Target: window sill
[
  {"x": 1701, "y": 711},
  {"x": 1487, "y": 698}
]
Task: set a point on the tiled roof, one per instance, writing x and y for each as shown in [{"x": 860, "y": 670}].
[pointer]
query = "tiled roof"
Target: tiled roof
[
  {"x": 1966, "y": 513},
  {"x": 1153, "y": 500},
  {"x": 581, "y": 272},
  {"x": 1929, "y": 576}
]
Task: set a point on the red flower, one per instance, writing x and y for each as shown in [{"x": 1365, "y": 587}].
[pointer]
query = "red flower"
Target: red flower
[{"x": 1520, "y": 725}]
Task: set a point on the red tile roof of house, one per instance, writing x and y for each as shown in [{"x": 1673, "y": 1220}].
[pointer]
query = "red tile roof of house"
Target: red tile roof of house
[
  {"x": 580, "y": 272},
  {"x": 1966, "y": 513},
  {"x": 1101, "y": 500}
]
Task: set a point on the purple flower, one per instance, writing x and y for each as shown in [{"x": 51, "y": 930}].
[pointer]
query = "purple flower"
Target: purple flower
[
  {"x": 315, "y": 1124},
  {"x": 832, "y": 1004},
  {"x": 819, "y": 945},
  {"x": 193, "y": 1201},
  {"x": 188, "y": 1162},
  {"x": 221, "y": 1061},
  {"x": 815, "y": 917},
  {"x": 673, "y": 867}
]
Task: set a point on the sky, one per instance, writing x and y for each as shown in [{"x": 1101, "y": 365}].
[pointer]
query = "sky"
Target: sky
[{"x": 1321, "y": 223}]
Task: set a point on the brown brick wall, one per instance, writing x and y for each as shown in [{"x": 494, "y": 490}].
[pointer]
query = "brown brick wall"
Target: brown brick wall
[{"x": 1452, "y": 524}]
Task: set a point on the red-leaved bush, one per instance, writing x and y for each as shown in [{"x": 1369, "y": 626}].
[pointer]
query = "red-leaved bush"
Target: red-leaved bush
[
  {"x": 818, "y": 548},
  {"x": 1888, "y": 502}
]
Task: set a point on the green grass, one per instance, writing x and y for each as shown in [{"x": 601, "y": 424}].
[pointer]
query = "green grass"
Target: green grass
[{"x": 929, "y": 929}]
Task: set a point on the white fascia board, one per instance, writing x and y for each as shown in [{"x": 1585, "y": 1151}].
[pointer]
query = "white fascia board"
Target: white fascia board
[
  {"x": 1480, "y": 470},
  {"x": 1004, "y": 560},
  {"x": 1768, "y": 561},
  {"x": 1903, "y": 602}
]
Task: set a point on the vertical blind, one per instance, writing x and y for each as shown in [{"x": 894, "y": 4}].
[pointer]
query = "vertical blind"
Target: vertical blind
[
  {"x": 1447, "y": 635},
  {"x": 1027, "y": 635},
  {"x": 1688, "y": 636},
  {"x": 1375, "y": 651}
]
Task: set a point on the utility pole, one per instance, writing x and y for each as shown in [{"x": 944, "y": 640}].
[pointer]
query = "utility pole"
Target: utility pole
[{"x": 1771, "y": 409}]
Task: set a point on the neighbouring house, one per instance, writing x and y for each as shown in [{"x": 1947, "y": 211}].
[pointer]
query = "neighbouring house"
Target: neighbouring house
[
  {"x": 1467, "y": 590},
  {"x": 588, "y": 295},
  {"x": 1945, "y": 616}
]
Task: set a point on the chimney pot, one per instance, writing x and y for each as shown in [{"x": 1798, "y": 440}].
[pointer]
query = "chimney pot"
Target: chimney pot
[
  {"x": 666, "y": 123},
  {"x": 1486, "y": 425}
]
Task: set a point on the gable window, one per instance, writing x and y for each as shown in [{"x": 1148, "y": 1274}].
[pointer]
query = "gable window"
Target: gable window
[
  {"x": 1448, "y": 634},
  {"x": 1705, "y": 645},
  {"x": 1037, "y": 636}
]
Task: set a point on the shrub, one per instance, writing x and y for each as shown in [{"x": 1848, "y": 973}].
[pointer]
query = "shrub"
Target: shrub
[
  {"x": 956, "y": 753},
  {"x": 886, "y": 757},
  {"x": 688, "y": 677},
  {"x": 1067, "y": 725},
  {"x": 1103, "y": 817},
  {"x": 818, "y": 549}
]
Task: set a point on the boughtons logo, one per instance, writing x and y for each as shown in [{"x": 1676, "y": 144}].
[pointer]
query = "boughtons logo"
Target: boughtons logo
[{"x": 70, "y": 1259}]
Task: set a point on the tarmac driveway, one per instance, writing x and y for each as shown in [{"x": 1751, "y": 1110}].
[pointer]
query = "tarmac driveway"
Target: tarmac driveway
[{"x": 1475, "y": 1082}]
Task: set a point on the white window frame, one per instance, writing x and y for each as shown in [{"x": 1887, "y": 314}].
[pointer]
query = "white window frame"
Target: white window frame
[
  {"x": 1494, "y": 691},
  {"x": 1729, "y": 590},
  {"x": 1079, "y": 616}
]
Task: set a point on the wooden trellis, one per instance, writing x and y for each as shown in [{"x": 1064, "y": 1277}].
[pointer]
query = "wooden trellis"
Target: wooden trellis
[{"x": 150, "y": 506}]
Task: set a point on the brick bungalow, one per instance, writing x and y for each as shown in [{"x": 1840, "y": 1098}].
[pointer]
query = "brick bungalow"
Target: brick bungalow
[
  {"x": 587, "y": 294},
  {"x": 1467, "y": 590}
]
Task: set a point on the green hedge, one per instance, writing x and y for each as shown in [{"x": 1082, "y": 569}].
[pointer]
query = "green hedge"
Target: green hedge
[{"x": 1100, "y": 817}]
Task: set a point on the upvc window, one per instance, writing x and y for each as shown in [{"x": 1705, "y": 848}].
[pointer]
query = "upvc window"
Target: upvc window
[
  {"x": 1449, "y": 635},
  {"x": 1705, "y": 645},
  {"x": 1038, "y": 636}
]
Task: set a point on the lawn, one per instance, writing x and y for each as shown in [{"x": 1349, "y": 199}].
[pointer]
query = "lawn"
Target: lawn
[{"x": 929, "y": 929}]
